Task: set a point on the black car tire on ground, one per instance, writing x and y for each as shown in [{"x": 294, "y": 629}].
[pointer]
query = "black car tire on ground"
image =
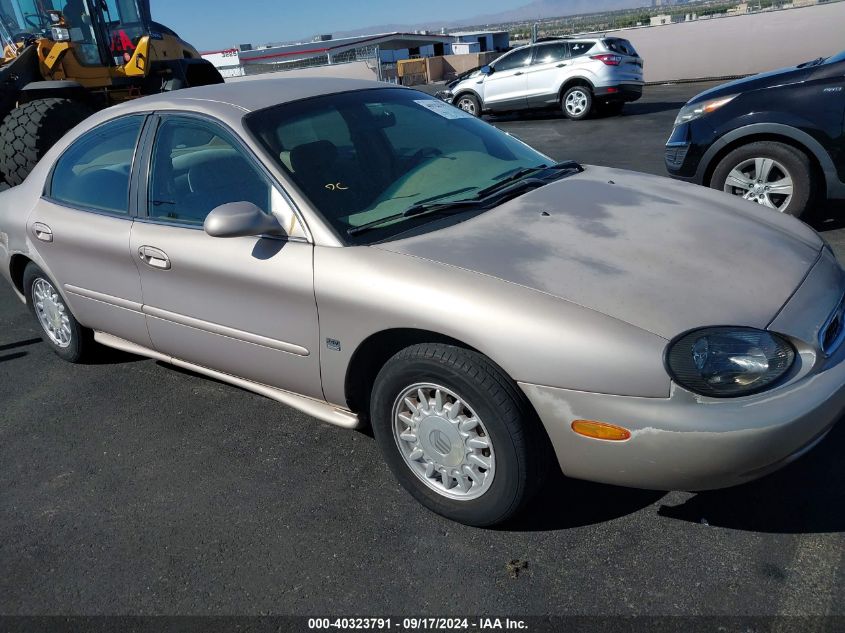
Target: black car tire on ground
[
  {"x": 469, "y": 103},
  {"x": 794, "y": 162},
  {"x": 31, "y": 129},
  {"x": 521, "y": 447},
  {"x": 584, "y": 97},
  {"x": 81, "y": 339}
]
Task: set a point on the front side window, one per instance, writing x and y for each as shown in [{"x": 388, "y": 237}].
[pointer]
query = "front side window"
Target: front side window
[
  {"x": 517, "y": 59},
  {"x": 94, "y": 172},
  {"x": 196, "y": 167},
  {"x": 362, "y": 156}
]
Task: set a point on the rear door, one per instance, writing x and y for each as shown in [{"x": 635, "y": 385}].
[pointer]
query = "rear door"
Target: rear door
[
  {"x": 545, "y": 75},
  {"x": 244, "y": 305},
  {"x": 81, "y": 228},
  {"x": 504, "y": 88}
]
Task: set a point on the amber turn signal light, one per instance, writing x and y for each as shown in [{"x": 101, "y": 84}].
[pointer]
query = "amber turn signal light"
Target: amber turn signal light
[{"x": 601, "y": 430}]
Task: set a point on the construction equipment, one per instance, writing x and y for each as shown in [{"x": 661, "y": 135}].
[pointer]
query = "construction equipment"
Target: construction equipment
[{"x": 65, "y": 59}]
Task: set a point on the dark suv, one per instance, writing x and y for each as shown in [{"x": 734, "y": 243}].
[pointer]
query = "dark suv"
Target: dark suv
[{"x": 776, "y": 138}]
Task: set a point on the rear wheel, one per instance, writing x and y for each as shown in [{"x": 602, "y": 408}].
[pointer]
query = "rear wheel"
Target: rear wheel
[
  {"x": 458, "y": 434},
  {"x": 577, "y": 102},
  {"x": 469, "y": 103},
  {"x": 59, "y": 328},
  {"x": 772, "y": 174},
  {"x": 30, "y": 130}
]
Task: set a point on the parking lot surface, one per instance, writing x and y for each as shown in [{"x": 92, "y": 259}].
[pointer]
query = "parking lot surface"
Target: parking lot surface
[{"x": 129, "y": 486}]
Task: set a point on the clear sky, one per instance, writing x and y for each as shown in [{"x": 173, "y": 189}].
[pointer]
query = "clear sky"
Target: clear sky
[{"x": 216, "y": 24}]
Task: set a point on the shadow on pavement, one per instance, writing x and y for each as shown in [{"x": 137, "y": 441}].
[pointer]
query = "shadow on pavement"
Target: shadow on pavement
[
  {"x": 17, "y": 344},
  {"x": 804, "y": 498},
  {"x": 638, "y": 109},
  {"x": 569, "y": 503}
]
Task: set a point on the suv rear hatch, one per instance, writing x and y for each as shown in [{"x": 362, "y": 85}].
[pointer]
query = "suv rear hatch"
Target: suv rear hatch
[{"x": 629, "y": 63}]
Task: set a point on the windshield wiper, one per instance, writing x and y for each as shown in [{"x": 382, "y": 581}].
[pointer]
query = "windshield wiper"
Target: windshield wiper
[
  {"x": 483, "y": 199},
  {"x": 419, "y": 209},
  {"x": 556, "y": 170},
  {"x": 815, "y": 62}
]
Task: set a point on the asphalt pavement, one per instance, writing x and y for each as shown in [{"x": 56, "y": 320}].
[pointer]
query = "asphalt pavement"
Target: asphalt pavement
[{"x": 129, "y": 486}]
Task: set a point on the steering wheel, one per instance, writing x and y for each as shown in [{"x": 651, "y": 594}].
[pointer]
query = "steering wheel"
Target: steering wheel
[{"x": 43, "y": 20}]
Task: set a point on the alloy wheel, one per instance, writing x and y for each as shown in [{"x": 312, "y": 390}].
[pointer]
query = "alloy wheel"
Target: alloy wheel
[
  {"x": 443, "y": 441},
  {"x": 761, "y": 180},
  {"x": 467, "y": 105},
  {"x": 576, "y": 103}
]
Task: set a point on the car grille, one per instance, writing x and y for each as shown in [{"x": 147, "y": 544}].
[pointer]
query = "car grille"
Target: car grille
[
  {"x": 833, "y": 331},
  {"x": 675, "y": 155}
]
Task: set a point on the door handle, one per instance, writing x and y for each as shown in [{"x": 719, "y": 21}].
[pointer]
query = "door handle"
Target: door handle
[
  {"x": 154, "y": 257},
  {"x": 562, "y": 64},
  {"x": 518, "y": 73},
  {"x": 42, "y": 232}
]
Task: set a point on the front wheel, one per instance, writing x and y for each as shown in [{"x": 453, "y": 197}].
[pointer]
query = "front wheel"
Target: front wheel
[
  {"x": 772, "y": 174},
  {"x": 577, "y": 102},
  {"x": 469, "y": 103},
  {"x": 458, "y": 434}
]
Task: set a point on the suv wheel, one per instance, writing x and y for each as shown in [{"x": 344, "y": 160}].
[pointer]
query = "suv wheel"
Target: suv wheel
[
  {"x": 469, "y": 104},
  {"x": 458, "y": 434},
  {"x": 577, "y": 102},
  {"x": 772, "y": 174}
]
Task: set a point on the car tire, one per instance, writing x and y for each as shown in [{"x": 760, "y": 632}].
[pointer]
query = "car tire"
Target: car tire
[
  {"x": 753, "y": 170},
  {"x": 577, "y": 102},
  {"x": 57, "y": 325},
  {"x": 440, "y": 413},
  {"x": 469, "y": 103}
]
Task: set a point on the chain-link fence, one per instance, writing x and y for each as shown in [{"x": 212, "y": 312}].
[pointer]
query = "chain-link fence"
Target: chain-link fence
[{"x": 369, "y": 54}]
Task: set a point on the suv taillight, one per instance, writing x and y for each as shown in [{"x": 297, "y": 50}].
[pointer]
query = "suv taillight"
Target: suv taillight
[{"x": 608, "y": 60}]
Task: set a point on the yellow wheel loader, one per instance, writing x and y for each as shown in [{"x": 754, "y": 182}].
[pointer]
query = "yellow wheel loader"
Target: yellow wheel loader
[{"x": 64, "y": 59}]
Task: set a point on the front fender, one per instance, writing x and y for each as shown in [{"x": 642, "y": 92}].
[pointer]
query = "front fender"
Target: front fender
[{"x": 534, "y": 337}]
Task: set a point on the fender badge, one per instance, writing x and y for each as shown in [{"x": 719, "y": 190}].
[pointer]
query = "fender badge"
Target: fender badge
[{"x": 333, "y": 344}]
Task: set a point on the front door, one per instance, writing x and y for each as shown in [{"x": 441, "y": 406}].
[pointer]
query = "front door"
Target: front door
[
  {"x": 504, "y": 88},
  {"x": 81, "y": 230},
  {"x": 244, "y": 306},
  {"x": 542, "y": 84}
]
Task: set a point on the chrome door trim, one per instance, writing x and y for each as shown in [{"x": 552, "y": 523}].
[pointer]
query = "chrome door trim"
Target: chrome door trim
[{"x": 223, "y": 330}]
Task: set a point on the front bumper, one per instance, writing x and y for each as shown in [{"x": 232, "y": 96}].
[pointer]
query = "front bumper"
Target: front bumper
[{"x": 688, "y": 442}]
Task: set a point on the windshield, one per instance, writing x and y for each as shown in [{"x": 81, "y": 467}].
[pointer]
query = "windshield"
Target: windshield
[{"x": 363, "y": 156}]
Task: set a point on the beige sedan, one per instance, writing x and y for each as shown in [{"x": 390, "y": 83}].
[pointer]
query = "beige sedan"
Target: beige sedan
[{"x": 371, "y": 255}]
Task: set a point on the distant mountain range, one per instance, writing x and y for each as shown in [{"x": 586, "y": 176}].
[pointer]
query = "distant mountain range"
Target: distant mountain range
[{"x": 532, "y": 11}]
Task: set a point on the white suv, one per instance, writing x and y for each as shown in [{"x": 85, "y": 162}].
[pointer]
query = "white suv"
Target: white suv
[{"x": 574, "y": 74}]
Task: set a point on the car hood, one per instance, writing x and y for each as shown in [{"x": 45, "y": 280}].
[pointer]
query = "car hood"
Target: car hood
[
  {"x": 778, "y": 77},
  {"x": 662, "y": 255}
]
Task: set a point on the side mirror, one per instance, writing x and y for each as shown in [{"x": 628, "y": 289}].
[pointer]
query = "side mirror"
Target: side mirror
[
  {"x": 487, "y": 70},
  {"x": 240, "y": 219}
]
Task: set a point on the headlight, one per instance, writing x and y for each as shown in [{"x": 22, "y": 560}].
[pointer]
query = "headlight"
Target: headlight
[
  {"x": 726, "y": 362},
  {"x": 691, "y": 112},
  {"x": 445, "y": 95}
]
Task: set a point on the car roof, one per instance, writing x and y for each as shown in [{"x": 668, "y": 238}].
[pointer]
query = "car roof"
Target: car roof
[{"x": 247, "y": 95}]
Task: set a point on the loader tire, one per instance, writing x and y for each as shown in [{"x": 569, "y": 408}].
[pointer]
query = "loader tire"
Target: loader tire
[{"x": 31, "y": 129}]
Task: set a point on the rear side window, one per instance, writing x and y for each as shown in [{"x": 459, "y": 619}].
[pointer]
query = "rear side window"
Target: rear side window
[
  {"x": 94, "y": 172},
  {"x": 581, "y": 48},
  {"x": 618, "y": 45},
  {"x": 514, "y": 60},
  {"x": 548, "y": 53}
]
